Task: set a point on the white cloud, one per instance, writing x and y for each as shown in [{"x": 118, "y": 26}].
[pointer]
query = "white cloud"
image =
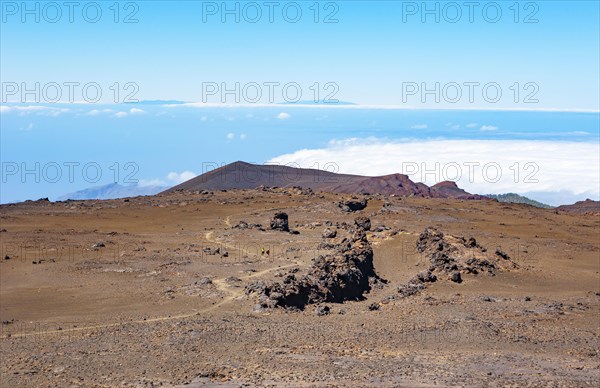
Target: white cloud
[
  {"x": 488, "y": 128},
  {"x": 243, "y": 136},
  {"x": 203, "y": 118},
  {"x": 230, "y": 136},
  {"x": 455, "y": 126},
  {"x": 39, "y": 110},
  {"x": 132, "y": 111},
  {"x": 96, "y": 112},
  {"x": 579, "y": 133},
  {"x": 28, "y": 128},
  {"x": 472, "y": 125},
  {"x": 373, "y": 106},
  {"x": 543, "y": 166},
  {"x": 56, "y": 112},
  {"x": 178, "y": 178},
  {"x": 173, "y": 178},
  {"x": 283, "y": 116},
  {"x": 151, "y": 182},
  {"x": 27, "y": 108},
  {"x": 419, "y": 126}
]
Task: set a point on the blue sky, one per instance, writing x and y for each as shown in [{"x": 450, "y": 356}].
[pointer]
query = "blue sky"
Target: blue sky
[
  {"x": 375, "y": 53},
  {"x": 368, "y": 53}
]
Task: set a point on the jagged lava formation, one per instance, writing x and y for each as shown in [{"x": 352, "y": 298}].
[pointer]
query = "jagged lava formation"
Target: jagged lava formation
[
  {"x": 454, "y": 257},
  {"x": 346, "y": 274}
]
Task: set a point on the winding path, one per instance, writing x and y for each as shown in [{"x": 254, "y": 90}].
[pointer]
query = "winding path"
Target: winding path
[{"x": 220, "y": 284}]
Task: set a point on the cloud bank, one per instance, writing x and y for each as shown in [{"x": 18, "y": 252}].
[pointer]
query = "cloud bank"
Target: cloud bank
[{"x": 478, "y": 166}]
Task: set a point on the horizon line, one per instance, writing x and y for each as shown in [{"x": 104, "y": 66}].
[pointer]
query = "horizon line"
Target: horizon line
[{"x": 315, "y": 106}]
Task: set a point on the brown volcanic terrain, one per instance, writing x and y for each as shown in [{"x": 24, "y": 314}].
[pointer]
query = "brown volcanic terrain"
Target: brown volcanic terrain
[
  {"x": 153, "y": 291},
  {"x": 242, "y": 175}
]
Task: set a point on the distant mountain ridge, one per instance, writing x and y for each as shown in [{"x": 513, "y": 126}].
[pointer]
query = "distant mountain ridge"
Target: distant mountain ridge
[
  {"x": 242, "y": 175},
  {"x": 516, "y": 198},
  {"x": 320, "y": 102},
  {"x": 112, "y": 191}
]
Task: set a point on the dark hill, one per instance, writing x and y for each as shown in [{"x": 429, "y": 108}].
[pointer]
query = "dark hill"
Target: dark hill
[
  {"x": 582, "y": 207},
  {"x": 242, "y": 175}
]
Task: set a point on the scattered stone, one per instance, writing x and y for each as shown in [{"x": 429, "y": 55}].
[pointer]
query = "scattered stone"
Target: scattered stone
[
  {"x": 363, "y": 223},
  {"x": 7, "y": 257},
  {"x": 325, "y": 246},
  {"x": 246, "y": 225},
  {"x": 204, "y": 281},
  {"x": 99, "y": 245},
  {"x": 374, "y": 307},
  {"x": 455, "y": 277},
  {"x": 471, "y": 242},
  {"x": 329, "y": 233},
  {"x": 352, "y": 205},
  {"x": 322, "y": 310},
  {"x": 257, "y": 287},
  {"x": 241, "y": 225},
  {"x": 502, "y": 254},
  {"x": 426, "y": 277},
  {"x": 212, "y": 252}
]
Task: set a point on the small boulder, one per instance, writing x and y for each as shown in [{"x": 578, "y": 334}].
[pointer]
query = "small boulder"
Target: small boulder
[
  {"x": 280, "y": 222},
  {"x": 455, "y": 277},
  {"x": 329, "y": 233},
  {"x": 353, "y": 205},
  {"x": 363, "y": 223},
  {"x": 322, "y": 310}
]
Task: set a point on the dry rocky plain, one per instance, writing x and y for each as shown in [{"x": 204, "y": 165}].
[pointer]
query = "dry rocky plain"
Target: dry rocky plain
[{"x": 156, "y": 291}]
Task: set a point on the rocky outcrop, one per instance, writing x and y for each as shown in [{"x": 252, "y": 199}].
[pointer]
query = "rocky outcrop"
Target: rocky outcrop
[
  {"x": 452, "y": 257},
  {"x": 345, "y": 274}
]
